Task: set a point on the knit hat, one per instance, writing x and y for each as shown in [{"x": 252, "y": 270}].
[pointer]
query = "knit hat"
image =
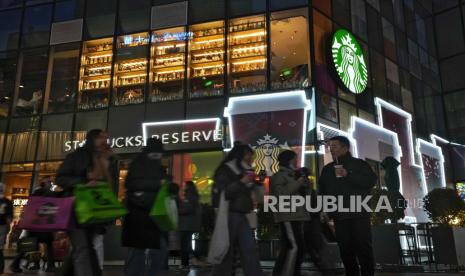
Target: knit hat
[{"x": 154, "y": 145}]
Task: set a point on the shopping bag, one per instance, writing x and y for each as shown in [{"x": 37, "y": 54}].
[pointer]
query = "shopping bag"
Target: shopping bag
[
  {"x": 219, "y": 243},
  {"x": 96, "y": 204},
  {"x": 28, "y": 244},
  {"x": 164, "y": 211},
  {"x": 47, "y": 214}
]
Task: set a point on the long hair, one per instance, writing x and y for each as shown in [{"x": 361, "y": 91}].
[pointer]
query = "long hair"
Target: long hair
[
  {"x": 89, "y": 146},
  {"x": 237, "y": 153},
  {"x": 345, "y": 68},
  {"x": 260, "y": 159}
]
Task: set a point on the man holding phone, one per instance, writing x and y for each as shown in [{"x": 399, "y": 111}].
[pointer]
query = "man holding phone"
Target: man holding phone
[{"x": 348, "y": 176}]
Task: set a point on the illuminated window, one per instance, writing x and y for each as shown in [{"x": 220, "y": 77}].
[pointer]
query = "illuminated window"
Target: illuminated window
[
  {"x": 130, "y": 72},
  {"x": 94, "y": 84},
  {"x": 290, "y": 52},
  {"x": 167, "y": 67},
  {"x": 206, "y": 60},
  {"x": 247, "y": 54}
]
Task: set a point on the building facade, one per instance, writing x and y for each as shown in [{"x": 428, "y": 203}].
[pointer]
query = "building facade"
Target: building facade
[{"x": 127, "y": 65}]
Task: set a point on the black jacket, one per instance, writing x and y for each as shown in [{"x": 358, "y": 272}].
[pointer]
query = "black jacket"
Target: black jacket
[
  {"x": 359, "y": 182},
  {"x": 74, "y": 170},
  {"x": 142, "y": 185},
  {"x": 237, "y": 193}
]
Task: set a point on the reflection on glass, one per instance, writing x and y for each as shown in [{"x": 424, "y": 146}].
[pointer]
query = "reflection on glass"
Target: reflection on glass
[
  {"x": 95, "y": 73},
  {"x": 247, "y": 54},
  {"x": 168, "y": 64},
  {"x": 64, "y": 78},
  {"x": 7, "y": 81},
  {"x": 130, "y": 72},
  {"x": 289, "y": 49},
  {"x": 206, "y": 59}
]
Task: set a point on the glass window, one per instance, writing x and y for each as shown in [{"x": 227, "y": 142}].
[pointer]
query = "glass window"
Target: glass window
[
  {"x": 452, "y": 73},
  {"x": 95, "y": 72},
  {"x": 341, "y": 13},
  {"x": 130, "y": 72},
  {"x": 204, "y": 10},
  {"x": 399, "y": 14},
  {"x": 134, "y": 15},
  {"x": 9, "y": 29},
  {"x": 8, "y": 63},
  {"x": 5, "y": 4},
  {"x": 346, "y": 111},
  {"x": 247, "y": 54},
  {"x": 3, "y": 123},
  {"x": 100, "y": 18},
  {"x": 34, "y": 66},
  {"x": 322, "y": 29},
  {"x": 206, "y": 59},
  {"x": 389, "y": 39},
  {"x": 279, "y": 4},
  {"x": 54, "y": 135},
  {"x": 89, "y": 120},
  {"x": 241, "y": 7},
  {"x": 68, "y": 10},
  {"x": 290, "y": 53},
  {"x": 378, "y": 74},
  {"x": 450, "y": 42},
  {"x": 375, "y": 38},
  {"x": 36, "y": 26},
  {"x": 35, "y": 2},
  {"x": 365, "y": 100},
  {"x": 359, "y": 18},
  {"x": 21, "y": 141},
  {"x": 387, "y": 10},
  {"x": 65, "y": 68},
  {"x": 167, "y": 64}
]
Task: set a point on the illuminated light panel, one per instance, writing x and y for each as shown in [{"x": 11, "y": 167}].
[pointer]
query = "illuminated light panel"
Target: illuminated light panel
[
  {"x": 435, "y": 139},
  {"x": 248, "y": 48},
  {"x": 208, "y": 54},
  {"x": 320, "y": 132},
  {"x": 249, "y": 35},
  {"x": 249, "y": 61},
  {"x": 380, "y": 103},
  {"x": 178, "y": 122},
  {"x": 397, "y": 148},
  {"x": 99, "y": 68},
  {"x": 255, "y": 104},
  {"x": 422, "y": 143},
  {"x": 209, "y": 41}
]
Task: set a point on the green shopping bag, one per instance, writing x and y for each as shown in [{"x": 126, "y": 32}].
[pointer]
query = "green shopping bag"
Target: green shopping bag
[
  {"x": 164, "y": 211},
  {"x": 96, "y": 204}
]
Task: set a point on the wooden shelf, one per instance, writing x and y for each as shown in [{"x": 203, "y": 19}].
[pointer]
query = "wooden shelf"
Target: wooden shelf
[
  {"x": 129, "y": 85},
  {"x": 259, "y": 43},
  {"x": 206, "y": 76},
  {"x": 207, "y": 49},
  {"x": 250, "y": 31},
  {"x": 97, "y": 77},
  {"x": 208, "y": 37},
  {"x": 212, "y": 63},
  {"x": 171, "y": 68},
  {"x": 166, "y": 66},
  {"x": 246, "y": 58},
  {"x": 167, "y": 81},
  {"x": 248, "y": 72},
  {"x": 124, "y": 73},
  {"x": 97, "y": 64},
  {"x": 169, "y": 55},
  {"x": 96, "y": 89},
  {"x": 98, "y": 53}
]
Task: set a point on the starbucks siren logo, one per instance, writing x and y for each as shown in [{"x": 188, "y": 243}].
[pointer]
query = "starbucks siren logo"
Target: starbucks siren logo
[{"x": 349, "y": 62}]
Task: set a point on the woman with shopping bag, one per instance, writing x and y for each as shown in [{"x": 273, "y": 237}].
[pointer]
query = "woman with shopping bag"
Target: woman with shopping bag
[
  {"x": 232, "y": 193},
  {"x": 88, "y": 166},
  {"x": 145, "y": 227}
]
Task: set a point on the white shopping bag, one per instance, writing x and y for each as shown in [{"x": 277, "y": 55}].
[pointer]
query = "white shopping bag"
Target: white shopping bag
[{"x": 219, "y": 243}]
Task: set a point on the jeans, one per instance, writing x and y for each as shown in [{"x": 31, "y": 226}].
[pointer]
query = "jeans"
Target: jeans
[
  {"x": 85, "y": 261},
  {"x": 146, "y": 261},
  {"x": 354, "y": 239},
  {"x": 240, "y": 237}
]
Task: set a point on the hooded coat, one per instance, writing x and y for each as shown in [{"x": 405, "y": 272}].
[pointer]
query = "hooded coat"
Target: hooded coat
[{"x": 391, "y": 178}]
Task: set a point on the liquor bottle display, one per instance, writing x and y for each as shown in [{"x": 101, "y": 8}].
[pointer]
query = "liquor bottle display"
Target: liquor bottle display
[
  {"x": 206, "y": 65},
  {"x": 247, "y": 55},
  {"x": 95, "y": 74},
  {"x": 130, "y": 71},
  {"x": 168, "y": 52}
]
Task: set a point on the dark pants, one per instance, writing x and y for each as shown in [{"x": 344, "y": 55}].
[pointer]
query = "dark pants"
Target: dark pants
[
  {"x": 292, "y": 249},
  {"x": 186, "y": 247},
  {"x": 85, "y": 260},
  {"x": 354, "y": 239},
  {"x": 240, "y": 238},
  {"x": 43, "y": 238}
]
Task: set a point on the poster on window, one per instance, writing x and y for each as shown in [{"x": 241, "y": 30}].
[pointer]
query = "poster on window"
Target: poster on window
[
  {"x": 269, "y": 133},
  {"x": 432, "y": 171}
]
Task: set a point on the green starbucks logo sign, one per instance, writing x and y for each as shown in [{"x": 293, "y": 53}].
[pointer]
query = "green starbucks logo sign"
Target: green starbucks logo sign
[{"x": 349, "y": 62}]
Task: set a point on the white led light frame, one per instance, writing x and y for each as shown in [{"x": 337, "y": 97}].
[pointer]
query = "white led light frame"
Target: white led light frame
[{"x": 422, "y": 143}]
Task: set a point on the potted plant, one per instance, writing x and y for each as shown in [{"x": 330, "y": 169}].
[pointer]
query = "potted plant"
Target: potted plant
[
  {"x": 447, "y": 210},
  {"x": 385, "y": 229}
]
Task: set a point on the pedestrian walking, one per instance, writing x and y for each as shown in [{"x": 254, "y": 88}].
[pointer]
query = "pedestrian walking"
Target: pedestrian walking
[
  {"x": 348, "y": 176},
  {"x": 6, "y": 215},
  {"x": 45, "y": 238},
  {"x": 285, "y": 183},
  {"x": 146, "y": 241},
  {"x": 90, "y": 164},
  {"x": 189, "y": 223},
  {"x": 235, "y": 177}
]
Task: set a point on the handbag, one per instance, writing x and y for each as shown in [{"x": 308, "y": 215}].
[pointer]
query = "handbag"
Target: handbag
[
  {"x": 219, "y": 243},
  {"x": 28, "y": 244},
  {"x": 164, "y": 210},
  {"x": 47, "y": 214},
  {"x": 96, "y": 204}
]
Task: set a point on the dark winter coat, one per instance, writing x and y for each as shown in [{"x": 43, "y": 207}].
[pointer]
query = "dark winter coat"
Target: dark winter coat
[
  {"x": 358, "y": 182},
  {"x": 74, "y": 170},
  {"x": 143, "y": 182},
  {"x": 228, "y": 178},
  {"x": 391, "y": 177},
  {"x": 189, "y": 212}
]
